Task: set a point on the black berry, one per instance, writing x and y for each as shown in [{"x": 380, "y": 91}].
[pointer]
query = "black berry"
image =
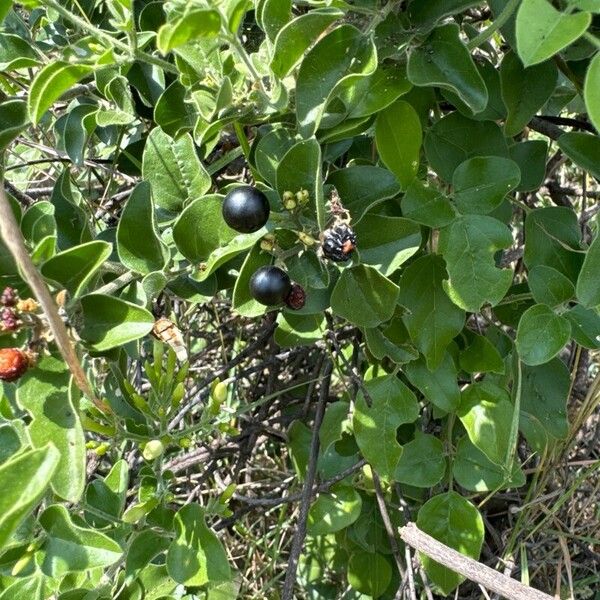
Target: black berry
[
  {"x": 296, "y": 298},
  {"x": 270, "y": 285},
  {"x": 338, "y": 242},
  {"x": 246, "y": 209}
]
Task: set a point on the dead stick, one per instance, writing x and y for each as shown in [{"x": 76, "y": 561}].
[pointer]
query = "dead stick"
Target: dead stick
[
  {"x": 471, "y": 569},
  {"x": 11, "y": 234}
]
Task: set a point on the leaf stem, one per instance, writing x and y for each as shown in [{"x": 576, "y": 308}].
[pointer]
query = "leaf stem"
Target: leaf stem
[
  {"x": 592, "y": 39},
  {"x": 487, "y": 33},
  {"x": 110, "y": 39}
]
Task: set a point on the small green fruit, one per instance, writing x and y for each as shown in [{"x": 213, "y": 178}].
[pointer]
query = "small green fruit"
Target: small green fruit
[{"x": 153, "y": 449}]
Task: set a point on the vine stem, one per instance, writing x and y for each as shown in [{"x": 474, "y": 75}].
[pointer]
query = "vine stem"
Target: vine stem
[
  {"x": 487, "y": 33},
  {"x": 11, "y": 234},
  {"x": 109, "y": 38}
]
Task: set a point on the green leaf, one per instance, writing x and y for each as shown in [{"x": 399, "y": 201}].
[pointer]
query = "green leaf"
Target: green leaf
[
  {"x": 382, "y": 344},
  {"x": 270, "y": 149},
  {"x": 144, "y": 546},
  {"x": 552, "y": 238},
  {"x": 24, "y": 480},
  {"x": 16, "y": 53},
  {"x": 541, "y": 334},
  {"x": 422, "y": 463},
  {"x": 196, "y": 556},
  {"x": 225, "y": 253},
  {"x": 455, "y": 138},
  {"x": 70, "y": 548},
  {"x": 74, "y": 268},
  {"x": 591, "y": 91},
  {"x": 486, "y": 413},
  {"x": 298, "y": 330},
  {"x": 474, "y": 471},
  {"x": 398, "y": 136},
  {"x": 363, "y": 186},
  {"x": 542, "y": 31},
  {"x": 334, "y": 511},
  {"x": 439, "y": 386},
  {"x": 585, "y": 326},
  {"x": 544, "y": 395},
  {"x": 432, "y": 319},
  {"x": 200, "y": 228},
  {"x": 79, "y": 123},
  {"x": 549, "y": 286},
  {"x": 530, "y": 156},
  {"x": 444, "y": 61},
  {"x": 364, "y": 296},
  {"x": 108, "y": 495},
  {"x": 468, "y": 246},
  {"x": 110, "y": 322},
  {"x": 13, "y": 120},
  {"x": 72, "y": 221},
  {"x": 44, "y": 393},
  {"x": 25, "y": 588},
  {"x": 583, "y": 149},
  {"x": 122, "y": 109},
  {"x": 427, "y": 205},
  {"x": 341, "y": 56},
  {"x": 174, "y": 170},
  {"x": 369, "y": 573},
  {"x": 300, "y": 168},
  {"x": 454, "y": 521},
  {"x": 138, "y": 243},
  {"x": 481, "y": 356},
  {"x": 172, "y": 113},
  {"x": 588, "y": 281},
  {"x": 194, "y": 24},
  {"x": 387, "y": 242},
  {"x": 428, "y": 11},
  {"x": 273, "y": 15},
  {"x": 524, "y": 90},
  {"x": 377, "y": 91},
  {"x": 51, "y": 83},
  {"x": 10, "y": 440},
  {"x": 375, "y": 426},
  {"x": 481, "y": 183},
  {"x": 296, "y": 37}
]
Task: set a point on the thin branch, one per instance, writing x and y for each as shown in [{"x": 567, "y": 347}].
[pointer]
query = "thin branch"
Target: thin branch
[
  {"x": 10, "y": 232},
  {"x": 469, "y": 568},
  {"x": 300, "y": 534}
]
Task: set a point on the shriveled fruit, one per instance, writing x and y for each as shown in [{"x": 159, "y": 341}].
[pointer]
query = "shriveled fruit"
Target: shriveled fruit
[
  {"x": 270, "y": 285},
  {"x": 8, "y": 297},
  {"x": 296, "y": 298},
  {"x": 338, "y": 242},
  {"x": 246, "y": 209},
  {"x": 13, "y": 363}
]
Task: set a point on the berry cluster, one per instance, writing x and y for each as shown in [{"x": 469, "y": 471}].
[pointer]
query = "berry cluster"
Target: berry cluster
[{"x": 246, "y": 209}]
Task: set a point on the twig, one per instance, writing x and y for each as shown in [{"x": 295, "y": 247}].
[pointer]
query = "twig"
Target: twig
[
  {"x": 469, "y": 568},
  {"x": 10, "y": 232},
  {"x": 546, "y": 128},
  {"x": 300, "y": 534},
  {"x": 387, "y": 523}
]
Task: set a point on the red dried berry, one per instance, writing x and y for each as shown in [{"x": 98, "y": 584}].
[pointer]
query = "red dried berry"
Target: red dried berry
[
  {"x": 9, "y": 320},
  {"x": 296, "y": 298},
  {"x": 13, "y": 363},
  {"x": 9, "y": 297}
]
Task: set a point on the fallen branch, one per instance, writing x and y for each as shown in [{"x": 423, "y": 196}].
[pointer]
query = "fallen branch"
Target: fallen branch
[{"x": 469, "y": 568}]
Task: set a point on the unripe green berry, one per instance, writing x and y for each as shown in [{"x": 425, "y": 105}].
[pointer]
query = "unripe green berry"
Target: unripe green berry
[
  {"x": 219, "y": 392},
  {"x": 102, "y": 449},
  {"x": 287, "y": 196},
  {"x": 185, "y": 443},
  {"x": 289, "y": 203},
  {"x": 302, "y": 197},
  {"x": 306, "y": 239},
  {"x": 153, "y": 449}
]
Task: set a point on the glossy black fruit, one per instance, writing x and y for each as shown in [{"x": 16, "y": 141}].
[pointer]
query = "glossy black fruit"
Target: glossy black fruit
[
  {"x": 246, "y": 209},
  {"x": 338, "y": 242},
  {"x": 270, "y": 285}
]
